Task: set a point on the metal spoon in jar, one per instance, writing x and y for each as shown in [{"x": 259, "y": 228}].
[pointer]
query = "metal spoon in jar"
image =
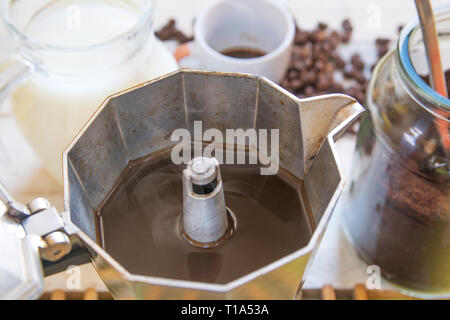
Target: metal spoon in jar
[
  {"x": 430, "y": 37},
  {"x": 437, "y": 77}
]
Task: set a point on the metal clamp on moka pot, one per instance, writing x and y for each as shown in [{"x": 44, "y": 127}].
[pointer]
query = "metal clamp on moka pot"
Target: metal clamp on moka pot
[{"x": 137, "y": 123}]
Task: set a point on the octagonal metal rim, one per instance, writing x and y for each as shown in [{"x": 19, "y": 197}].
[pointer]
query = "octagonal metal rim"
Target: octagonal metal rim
[{"x": 220, "y": 288}]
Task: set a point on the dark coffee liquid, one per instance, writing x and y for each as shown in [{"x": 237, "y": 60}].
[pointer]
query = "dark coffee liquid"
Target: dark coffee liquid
[
  {"x": 243, "y": 52},
  {"x": 139, "y": 222}
]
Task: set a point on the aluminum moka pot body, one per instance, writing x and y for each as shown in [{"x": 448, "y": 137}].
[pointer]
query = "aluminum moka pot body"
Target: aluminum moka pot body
[{"x": 137, "y": 122}]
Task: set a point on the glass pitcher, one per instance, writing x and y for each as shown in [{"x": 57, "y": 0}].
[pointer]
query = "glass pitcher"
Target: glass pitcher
[
  {"x": 71, "y": 55},
  {"x": 399, "y": 213}
]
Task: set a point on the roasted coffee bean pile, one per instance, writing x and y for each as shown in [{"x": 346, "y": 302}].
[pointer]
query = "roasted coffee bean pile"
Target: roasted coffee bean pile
[
  {"x": 315, "y": 62},
  {"x": 170, "y": 32}
]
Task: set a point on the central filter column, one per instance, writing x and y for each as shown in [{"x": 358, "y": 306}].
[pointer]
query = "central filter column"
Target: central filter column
[{"x": 205, "y": 218}]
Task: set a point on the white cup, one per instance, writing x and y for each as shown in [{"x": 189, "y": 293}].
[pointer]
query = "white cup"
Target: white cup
[{"x": 266, "y": 25}]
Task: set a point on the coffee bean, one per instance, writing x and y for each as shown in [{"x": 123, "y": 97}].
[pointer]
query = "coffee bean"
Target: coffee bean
[
  {"x": 316, "y": 49},
  {"x": 322, "y": 55},
  {"x": 323, "y": 82},
  {"x": 301, "y": 37},
  {"x": 349, "y": 74},
  {"x": 310, "y": 91},
  {"x": 295, "y": 84},
  {"x": 296, "y": 51},
  {"x": 305, "y": 51},
  {"x": 298, "y": 65},
  {"x": 347, "y": 25},
  {"x": 346, "y": 36},
  {"x": 181, "y": 37},
  {"x": 327, "y": 46},
  {"x": 308, "y": 77},
  {"x": 359, "y": 77},
  {"x": 382, "y": 52},
  {"x": 382, "y": 41},
  {"x": 335, "y": 39},
  {"x": 337, "y": 60},
  {"x": 356, "y": 93},
  {"x": 356, "y": 62},
  {"x": 337, "y": 87},
  {"x": 322, "y": 26},
  {"x": 320, "y": 35},
  {"x": 164, "y": 34},
  {"x": 382, "y": 46},
  {"x": 309, "y": 63},
  {"x": 286, "y": 84},
  {"x": 292, "y": 74},
  {"x": 171, "y": 23},
  {"x": 328, "y": 68},
  {"x": 170, "y": 32},
  {"x": 319, "y": 65}
]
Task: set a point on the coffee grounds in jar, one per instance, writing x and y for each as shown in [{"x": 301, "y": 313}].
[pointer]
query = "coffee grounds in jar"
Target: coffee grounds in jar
[
  {"x": 401, "y": 202},
  {"x": 402, "y": 224}
]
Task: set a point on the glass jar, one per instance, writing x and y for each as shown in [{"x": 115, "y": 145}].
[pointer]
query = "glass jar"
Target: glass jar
[
  {"x": 399, "y": 208},
  {"x": 71, "y": 55}
]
